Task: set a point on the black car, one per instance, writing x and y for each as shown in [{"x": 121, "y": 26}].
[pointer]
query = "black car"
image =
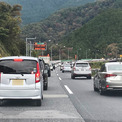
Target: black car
[
  {"x": 44, "y": 71},
  {"x": 49, "y": 70}
]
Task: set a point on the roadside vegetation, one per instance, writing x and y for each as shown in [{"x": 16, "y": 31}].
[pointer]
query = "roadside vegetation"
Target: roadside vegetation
[{"x": 10, "y": 43}]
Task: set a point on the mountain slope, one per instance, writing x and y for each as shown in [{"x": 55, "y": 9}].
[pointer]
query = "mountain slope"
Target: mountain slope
[
  {"x": 65, "y": 21},
  {"x": 97, "y": 34},
  {"x": 36, "y": 10}
]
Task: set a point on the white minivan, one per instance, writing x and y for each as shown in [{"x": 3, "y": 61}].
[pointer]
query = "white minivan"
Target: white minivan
[{"x": 20, "y": 78}]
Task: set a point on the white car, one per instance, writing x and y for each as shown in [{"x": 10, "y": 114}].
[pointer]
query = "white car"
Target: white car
[
  {"x": 81, "y": 69},
  {"x": 66, "y": 68},
  {"x": 108, "y": 78},
  {"x": 20, "y": 78}
]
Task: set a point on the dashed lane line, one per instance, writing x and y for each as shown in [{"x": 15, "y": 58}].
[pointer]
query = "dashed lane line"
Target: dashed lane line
[
  {"x": 60, "y": 78},
  {"x": 67, "y": 88}
]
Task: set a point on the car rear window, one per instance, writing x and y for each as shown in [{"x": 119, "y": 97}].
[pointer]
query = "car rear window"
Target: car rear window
[
  {"x": 18, "y": 67},
  {"x": 81, "y": 64},
  {"x": 117, "y": 67},
  {"x": 68, "y": 65}
]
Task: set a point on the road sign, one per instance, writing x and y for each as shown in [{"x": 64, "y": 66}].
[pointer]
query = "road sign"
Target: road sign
[{"x": 40, "y": 46}]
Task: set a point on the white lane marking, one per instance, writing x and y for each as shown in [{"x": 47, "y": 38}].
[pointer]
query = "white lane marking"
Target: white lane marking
[
  {"x": 60, "y": 78},
  {"x": 55, "y": 96},
  {"x": 67, "y": 88},
  {"x": 57, "y": 74}
]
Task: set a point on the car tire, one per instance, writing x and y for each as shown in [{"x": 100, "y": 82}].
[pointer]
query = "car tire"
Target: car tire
[
  {"x": 49, "y": 74},
  {"x": 89, "y": 77},
  {"x": 1, "y": 102},
  {"x": 101, "y": 91},
  {"x": 62, "y": 71},
  {"x": 72, "y": 77},
  {"x": 95, "y": 89},
  {"x": 38, "y": 102},
  {"x": 45, "y": 87}
]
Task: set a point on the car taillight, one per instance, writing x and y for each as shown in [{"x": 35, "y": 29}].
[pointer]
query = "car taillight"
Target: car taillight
[
  {"x": 109, "y": 75},
  {"x": 107, "y": 86},
  {"x": 0, "y": 77},
  {"x": 37, "y": 75},
  {"x": 74, "y": 68},
  {"x": 18, "y": 60}
]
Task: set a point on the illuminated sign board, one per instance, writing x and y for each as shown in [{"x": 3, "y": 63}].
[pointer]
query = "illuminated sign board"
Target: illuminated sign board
[{"x": 40, "y": 46}]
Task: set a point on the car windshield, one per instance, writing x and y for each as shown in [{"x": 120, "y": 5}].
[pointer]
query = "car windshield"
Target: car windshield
[
  {"x": 81, "y": 64},
  {"x": 117, "y": 67},
  {"x": 13, "y": 67}
]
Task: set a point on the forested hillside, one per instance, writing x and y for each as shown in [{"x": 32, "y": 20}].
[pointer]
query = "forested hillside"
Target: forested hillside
[
  {"x": 10, "y": 43},
  {"x": 67, "y": 20},
  {"x": 95, "y": 36},
  {"x": 36, "y": 10}
]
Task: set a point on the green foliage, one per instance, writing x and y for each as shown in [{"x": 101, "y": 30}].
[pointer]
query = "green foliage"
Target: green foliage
[
  {"x": 9, "y": 29},
  {"x": 36, "y": 10},
  {"x": 97, "y": 34},
  {"x": 65, "y": 21}
]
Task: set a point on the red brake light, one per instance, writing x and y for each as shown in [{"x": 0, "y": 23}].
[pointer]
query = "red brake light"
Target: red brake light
[
  {"x": 37, "y": 75},
  {"x": 107, "y": 86},
  {"x": 74, "y": 68},
  {"x": 18, "y": 60},
  {"x": 109, "y": 75},
  {"x": 0, "y": 77}
]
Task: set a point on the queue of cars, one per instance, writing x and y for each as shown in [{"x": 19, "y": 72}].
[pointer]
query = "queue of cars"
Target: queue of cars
[
  {"x": 108, "y": 78},
  {"x": 77, "y": 69}
]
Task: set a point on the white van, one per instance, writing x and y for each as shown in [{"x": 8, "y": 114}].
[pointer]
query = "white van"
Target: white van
[{"x": 20, "y": 78}]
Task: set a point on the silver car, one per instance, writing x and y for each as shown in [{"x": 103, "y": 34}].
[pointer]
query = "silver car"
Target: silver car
[
  {"x": 108, "y": 78},
  {"x": 81, "y": 69},
  {"x": 66, "y": 68},
  {"x": 20, "y": 78}
]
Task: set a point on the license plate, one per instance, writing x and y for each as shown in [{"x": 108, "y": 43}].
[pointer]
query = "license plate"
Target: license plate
[
  {"x": 82, "y": 69},
  {"x": 17, "y": 82}
]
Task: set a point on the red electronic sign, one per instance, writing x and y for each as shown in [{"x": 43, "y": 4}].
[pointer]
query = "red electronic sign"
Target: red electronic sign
[{"x": 40, "y": 46}]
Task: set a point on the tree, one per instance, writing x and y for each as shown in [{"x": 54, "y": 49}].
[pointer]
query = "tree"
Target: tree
[
  {"x": 10, "y": 27},
  {"x": 112, "y": 50}
]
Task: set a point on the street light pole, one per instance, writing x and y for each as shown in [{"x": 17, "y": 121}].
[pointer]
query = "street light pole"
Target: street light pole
[
  {"x": 27, "y": 45},
  {"x": 51, "y": 53},
  {"x": 68, "y": 53},
  {"x": 86, "y": 54}
]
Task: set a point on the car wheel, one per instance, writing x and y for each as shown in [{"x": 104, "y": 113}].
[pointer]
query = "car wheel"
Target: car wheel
[
  {"x": 49, "y": 74},
  {"x": 101, "y": 91},
  {"x": 95, "y": 89},
  {"x": 72, "y": 76},
  {"x": 89, "y": 77},
  {"x": 1, "y": 102},
  {"x": 62, "y": 71},
  {"x": 46, "y": 86},
  {"x": 38, "y": 102}
]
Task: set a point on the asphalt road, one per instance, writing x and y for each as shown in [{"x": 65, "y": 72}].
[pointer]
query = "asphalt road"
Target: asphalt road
[
  {"x": 56, "y": 107},
  {"x": 91, "y": 105}
]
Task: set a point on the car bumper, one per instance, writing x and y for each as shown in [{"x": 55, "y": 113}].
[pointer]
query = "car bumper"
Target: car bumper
[
  {"x": 81, "y": 75},
  {"x": 20, "y": 94},
  {"x": 113, "y": 86}
]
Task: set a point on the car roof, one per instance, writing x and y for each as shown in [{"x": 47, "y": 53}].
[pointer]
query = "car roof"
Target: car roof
[
  {"x": 81, "y": 61},
  {"x": 19, "y": 57}
]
